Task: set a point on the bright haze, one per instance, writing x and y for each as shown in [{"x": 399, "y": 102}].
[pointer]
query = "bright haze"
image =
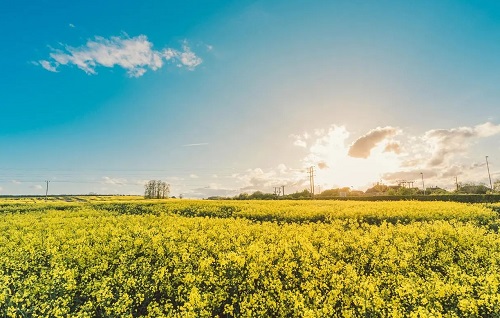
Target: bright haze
[{"x": 223, "y": 97}]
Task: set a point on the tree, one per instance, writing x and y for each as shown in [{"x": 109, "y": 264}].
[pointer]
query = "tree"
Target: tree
[
  {"x": 259, "y": 195},
  {"x": 356, "y": 193},
  {"x": 472, "y": 188},
  {"x": 329, "y": 193},
  {"x": 377, "y": 189},
  {"x": 496, "y": 185},
  {"x": 399, "y": 190},
  {"x": 241, "y": 196},
  {"x": 304, "y": 194},
  {"x": 156, "y": 189},
  {"x": 436, "y": 191},
  {"x": 335, "y": 192}
]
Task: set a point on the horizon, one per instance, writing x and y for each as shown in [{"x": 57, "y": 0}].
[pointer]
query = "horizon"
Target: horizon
[{"x": 230, "y": 97}]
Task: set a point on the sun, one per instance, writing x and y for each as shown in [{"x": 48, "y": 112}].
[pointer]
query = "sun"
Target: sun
[{"x": 341, "y": 170}]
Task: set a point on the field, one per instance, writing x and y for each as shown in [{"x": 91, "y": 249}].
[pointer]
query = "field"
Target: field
[{"x": 102, "y": 257}]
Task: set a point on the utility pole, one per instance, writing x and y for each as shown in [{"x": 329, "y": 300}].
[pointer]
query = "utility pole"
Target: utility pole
[
  {"x": 277, "y": 191},
  {"x": 489, "y": 176},
  {"x": 456, "y": 182},
  {"x": 46, "y": 189},
  {"x": 283, "y": 187},
  {"x": 311, "y": 180},
  {"x": 423, "y": 186}
]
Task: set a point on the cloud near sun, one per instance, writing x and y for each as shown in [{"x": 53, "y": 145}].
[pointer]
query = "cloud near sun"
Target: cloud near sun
[
  {"x": 362, "y": 147},
  {"x": 390, "y": 154},
  {"x": 134, "y": 54}
]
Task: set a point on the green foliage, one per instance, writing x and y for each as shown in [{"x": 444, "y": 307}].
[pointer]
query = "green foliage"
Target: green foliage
[
  {"x": 402, "y": 191},
  {"x": 377, "y": 189},
  {"x": 472, "y": 188},
  {"x": 496, "y": 186},
  {"x": 436, "y": 191},
  {"x": 289, "y": 211},
  {"x": 335, "y": 192},
  {"x": 258, "y": 195},
  {"x": 304, "y": 194},
  {"x": 465, "y": 198}
]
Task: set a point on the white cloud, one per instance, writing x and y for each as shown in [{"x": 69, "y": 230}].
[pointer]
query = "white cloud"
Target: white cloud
[
  {"x": 443, "y": 154},
  {"x": 259, "y": 180},
  {"x": 331, "y": 142},
  {"x": 71, "y": 25},
  {"x": 188, "y": 58},
  {"x": 322, "y": 165},
  {"x": 330, "y": 153},
  {"x": 282, "y": 168},
  {"x": 393, "y": 147},
  {"x": 37, "y": 187},
  {"x": 134, "y": 54},
  {"x": 300, "y": 143},
  {"x": 196, "y": 145},
  {"x": 169, "y": 54},
  {"x": 447, "y": 143},
  {"x": 393, "y": 155},
  {"x": 183, "y": 58},
  {"x": 300, "y": 140},
  {"x": 362, "y": 147},
  {"x": 411, "y": 175},
  {"x": 487, "y": 130},
  {"x": 210, "y": 192},
  {"x": 317, "y": 133},
  {"x": 16, "y": 181},
  {"x": 51, "y": 67},
  {"x": 193, "y": 176},
  {"x": 114, "y": 181}
]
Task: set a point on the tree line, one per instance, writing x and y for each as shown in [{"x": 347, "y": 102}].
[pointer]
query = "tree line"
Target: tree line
[{"x": 379, "y": 189}]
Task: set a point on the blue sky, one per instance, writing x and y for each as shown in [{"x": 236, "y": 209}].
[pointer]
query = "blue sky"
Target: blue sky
[{"x": 221, "y": 97}]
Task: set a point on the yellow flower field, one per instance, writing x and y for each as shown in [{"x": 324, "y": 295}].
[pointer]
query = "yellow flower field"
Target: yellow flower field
[{"x": 181, "y": 258}]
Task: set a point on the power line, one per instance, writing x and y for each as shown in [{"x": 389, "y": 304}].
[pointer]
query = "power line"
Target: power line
[
  {"x": 489, "y": 175},
  {"x": 311, "y": 180},
  {"x": 34, "y": 177},
  {"x": 46, "y": 189},
  {"x": 277, "y": 191}
]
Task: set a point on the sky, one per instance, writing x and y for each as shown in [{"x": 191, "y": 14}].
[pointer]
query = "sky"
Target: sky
[{"x": 224, "y": 97}]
